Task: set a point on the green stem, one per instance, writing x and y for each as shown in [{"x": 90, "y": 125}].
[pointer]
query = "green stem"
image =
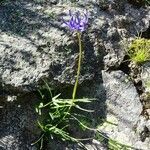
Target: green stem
[
  {"x": 77, "y": 78},
  {"x": 79, "y": 67}
]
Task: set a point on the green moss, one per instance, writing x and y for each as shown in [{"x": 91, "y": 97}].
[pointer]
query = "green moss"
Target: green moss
[{"x": 139, "y": 50}]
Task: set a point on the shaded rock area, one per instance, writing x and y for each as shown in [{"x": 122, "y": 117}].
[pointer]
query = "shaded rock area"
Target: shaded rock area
[
  {"x": 145, "y": 75},
  {"x": 34, "y": 45},
  {"x": 18, "y": 127}
]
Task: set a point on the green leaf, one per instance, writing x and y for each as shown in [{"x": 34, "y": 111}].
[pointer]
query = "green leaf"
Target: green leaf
[{"x": 77, "y": 106}]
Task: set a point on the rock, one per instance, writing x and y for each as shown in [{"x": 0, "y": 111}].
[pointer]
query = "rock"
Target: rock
[
  {"x": 145, "y": 76},
  {"x": 35, "y": 46},
  {"x": 11, "y": 98},
  {"x": 18, "y": 127},
  {"x": 148, "y": 111},
  {"x": 122, "y": 97},
  {"x": 123, "y": 110},
  {"x": 148, "y": 125},
  {"x": 95, "y": 145}
]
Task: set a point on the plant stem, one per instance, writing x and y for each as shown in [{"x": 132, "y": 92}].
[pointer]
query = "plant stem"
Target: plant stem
[
  {"x": 77, "y": 78},
  {"x": 79, "y": 66}
]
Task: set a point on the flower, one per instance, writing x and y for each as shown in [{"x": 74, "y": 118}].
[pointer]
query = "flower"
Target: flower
[{"x": 77, "y": 21}]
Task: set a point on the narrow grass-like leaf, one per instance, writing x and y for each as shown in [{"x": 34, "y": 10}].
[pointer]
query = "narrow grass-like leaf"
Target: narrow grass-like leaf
[
  {"x": 77, "y": 106},
  {"x": 49, "y": 89}
]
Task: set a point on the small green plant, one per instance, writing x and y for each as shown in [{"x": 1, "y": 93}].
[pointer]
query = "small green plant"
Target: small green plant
[
  {"x": 57, "y": 114},
  {"x": 139, "y": 50},
  {"x": 55, "y": 119}
]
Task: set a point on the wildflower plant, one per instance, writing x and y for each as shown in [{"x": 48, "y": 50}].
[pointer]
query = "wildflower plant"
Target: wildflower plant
[
  {"x": 57, "y": 114},
  {"x": 78, "y": 24},
  {"x": 60, "y": 112}
]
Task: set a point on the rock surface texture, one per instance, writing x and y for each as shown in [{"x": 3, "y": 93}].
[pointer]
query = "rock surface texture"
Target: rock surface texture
[
  {"x": 18, "y": 127},
  {"x": 34, "y": 45},
  {"x": 124, "y": 109}
]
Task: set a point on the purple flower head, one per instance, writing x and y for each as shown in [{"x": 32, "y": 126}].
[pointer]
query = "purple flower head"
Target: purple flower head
[{"x": 77, "y": 21}]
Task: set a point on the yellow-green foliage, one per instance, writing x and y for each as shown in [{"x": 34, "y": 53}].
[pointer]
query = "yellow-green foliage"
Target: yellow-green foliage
[{"x": 139, "y": 50}]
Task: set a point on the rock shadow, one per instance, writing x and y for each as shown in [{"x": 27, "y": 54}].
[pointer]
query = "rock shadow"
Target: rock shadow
[{"x": 18, "y": 127}]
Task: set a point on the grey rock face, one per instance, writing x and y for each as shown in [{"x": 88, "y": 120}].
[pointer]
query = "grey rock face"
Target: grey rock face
[
  {"x": 145, "y": 76},
  {"x": 122, "y": 98},
  {"x": 124, "y": 109},
  {"x": 34, "y": 45}
]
